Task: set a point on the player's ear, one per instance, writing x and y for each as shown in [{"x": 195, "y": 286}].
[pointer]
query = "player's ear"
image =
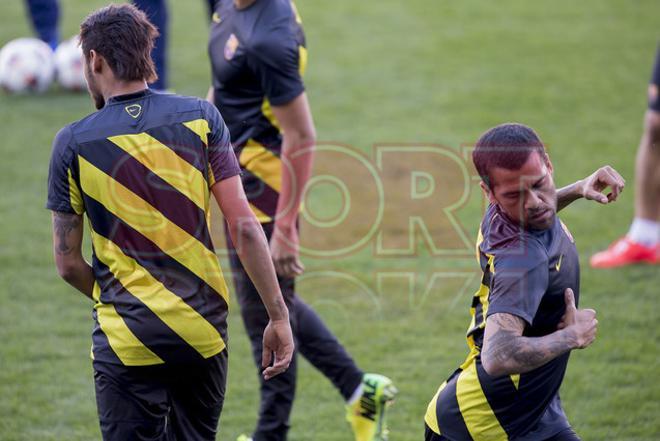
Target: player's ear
[
  {"x": 95, "y": 62},
  {"x": 488, "y": 192}
]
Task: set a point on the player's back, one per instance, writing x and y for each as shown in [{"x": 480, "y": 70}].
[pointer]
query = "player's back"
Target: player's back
[{"x": 141, "y": 168}]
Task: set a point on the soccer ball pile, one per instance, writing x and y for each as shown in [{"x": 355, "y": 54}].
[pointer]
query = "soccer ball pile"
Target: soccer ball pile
[
  {"x": 69, "y": 65},
  {"x": 28, "y": 65}
]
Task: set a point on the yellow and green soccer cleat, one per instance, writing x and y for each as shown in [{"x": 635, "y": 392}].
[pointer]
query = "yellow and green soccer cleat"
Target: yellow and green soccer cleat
[{"x": 367, "y": 414}]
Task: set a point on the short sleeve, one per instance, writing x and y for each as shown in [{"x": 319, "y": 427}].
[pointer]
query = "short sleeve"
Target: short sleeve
[
  {"x": 221, "y": 157},
  {"x": 519, "y": 281},
  {"x": 276, "y": 63},
  {"x": 63, "y": 191}
]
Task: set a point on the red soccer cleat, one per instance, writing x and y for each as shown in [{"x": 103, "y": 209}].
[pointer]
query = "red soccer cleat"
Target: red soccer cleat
[{"x": 625, "y": 252}]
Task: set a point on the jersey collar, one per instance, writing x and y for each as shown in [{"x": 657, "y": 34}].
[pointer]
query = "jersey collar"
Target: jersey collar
[{"x": 129, "y": 96}]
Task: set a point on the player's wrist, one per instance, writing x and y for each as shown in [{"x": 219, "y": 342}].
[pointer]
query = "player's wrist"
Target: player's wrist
[
  {"x": 285, "y": 227},
  {"x": 571, "y": 337},
  {"x": 278, "y": 312},
  {"x": 579, "y": 189}
]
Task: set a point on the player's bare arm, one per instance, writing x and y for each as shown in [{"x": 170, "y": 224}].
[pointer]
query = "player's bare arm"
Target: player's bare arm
[
  {"x": 298, "y": 138},
  {"x": 67, "y": 249},
  {"x": 252, "y": 248},
  {"x": 506, "y": 351},
  {"x": 592, "y": 188}
]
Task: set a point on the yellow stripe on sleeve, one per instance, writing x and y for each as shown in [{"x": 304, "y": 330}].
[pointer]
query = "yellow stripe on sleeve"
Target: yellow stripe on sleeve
[
  {"x": 259, "y": 161},
  {"x": 302, "y": 60},
  {"x": 75, "y": 198},
  {"x": 170, "y": 308},
  {"x": 477, "y": 413},
  {"x": 166, "y": 164},
  {"x": 128, "y": 348},
  {"x": 201, "y": 128},
  {"x": 141, "y": 216}
]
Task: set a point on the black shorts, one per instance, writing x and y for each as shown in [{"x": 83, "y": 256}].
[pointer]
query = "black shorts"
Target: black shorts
[
  {"x": 161, "y": 403},
  {"x": 565, "y": 435},
  {"x": 654, "y": 86}
]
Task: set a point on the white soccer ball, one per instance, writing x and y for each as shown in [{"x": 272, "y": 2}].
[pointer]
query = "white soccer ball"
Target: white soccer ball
[
  {"x": 26, "y": 65},
  {"x": 69, "y": 65}
]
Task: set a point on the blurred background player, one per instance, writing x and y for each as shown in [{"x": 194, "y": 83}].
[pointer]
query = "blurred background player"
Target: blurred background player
[
  {"x": 158, "y": 14},
  {"x": 525, "y": 320},
  {"x": 160, "y": 299},
  {"x": 642, "y": 243},
  {"x": 45, "y": 17},
  {"x": 258, "y": 56}
]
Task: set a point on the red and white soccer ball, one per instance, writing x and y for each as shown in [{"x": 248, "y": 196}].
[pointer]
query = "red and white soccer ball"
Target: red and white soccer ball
[
  {"x": 69, "y": 65},
  {"x": 26, "y": 65}
]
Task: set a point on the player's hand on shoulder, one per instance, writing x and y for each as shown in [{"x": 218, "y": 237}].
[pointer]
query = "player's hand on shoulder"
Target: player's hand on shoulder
[
  {"x": 580, "y": 325},
  {"x": 592, "y": 186},
  {"x": 277, "y": 347}
]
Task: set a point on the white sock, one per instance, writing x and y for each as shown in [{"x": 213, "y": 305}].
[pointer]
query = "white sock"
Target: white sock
[
  {"x": 645, "y": 232},
  {"x": 356, "y": 395}
]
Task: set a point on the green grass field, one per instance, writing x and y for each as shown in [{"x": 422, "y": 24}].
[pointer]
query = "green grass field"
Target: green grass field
[{"x": 415, "y": 72}]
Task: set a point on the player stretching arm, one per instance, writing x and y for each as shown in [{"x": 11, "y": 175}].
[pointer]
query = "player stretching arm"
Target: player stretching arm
[
  {"x": 524, "y": 316},
  {"x": 506, "y": 351}
]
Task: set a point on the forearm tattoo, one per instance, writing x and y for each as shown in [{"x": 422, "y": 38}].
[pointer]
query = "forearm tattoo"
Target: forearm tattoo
[
  {"x": 521, "y": 354},
  {"x": 63, "y": 225}
]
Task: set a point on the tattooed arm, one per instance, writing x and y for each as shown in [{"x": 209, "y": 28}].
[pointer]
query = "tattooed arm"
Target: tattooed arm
[
  {"x": 67, "y": 248},
  {"x": 505, "y": 350}
]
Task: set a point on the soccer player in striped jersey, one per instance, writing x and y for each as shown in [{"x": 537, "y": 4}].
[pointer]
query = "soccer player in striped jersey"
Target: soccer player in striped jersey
[
  {"x": 143, "y": 168},
  {"x": 525, "y": 320},
  {"x": 258, "y": 56}
]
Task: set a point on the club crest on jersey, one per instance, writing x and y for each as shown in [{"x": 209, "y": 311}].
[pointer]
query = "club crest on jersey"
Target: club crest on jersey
[
  {"x": 230, "y": 47},
  {"x": 568, "y": 233},
  {"x": 134, "y": 110}
]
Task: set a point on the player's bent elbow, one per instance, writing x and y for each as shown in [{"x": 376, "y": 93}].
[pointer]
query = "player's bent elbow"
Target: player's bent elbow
[
  {"x": 249, "y": 233},
  {"x": 67, "y": 269},
  {"x": 303, "y": 138},
  {"x": 492, "y": 367}
]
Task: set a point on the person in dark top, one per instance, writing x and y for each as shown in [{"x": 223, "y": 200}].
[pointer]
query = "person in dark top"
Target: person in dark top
[
  {"x": 142, "y": 168},
  {"x": 524, "y": 316},
  {"x": 641, "y": 244},
  {"x": 258, "y": 56}
]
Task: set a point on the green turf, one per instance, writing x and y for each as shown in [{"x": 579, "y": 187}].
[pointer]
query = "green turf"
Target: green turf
[{"x": 421, "y": 71}]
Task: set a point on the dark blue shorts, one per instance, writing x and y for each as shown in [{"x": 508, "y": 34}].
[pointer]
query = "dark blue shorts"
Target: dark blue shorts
[
  {"x": 565, "y": 435},
  {"x": 161, "y": 403}
]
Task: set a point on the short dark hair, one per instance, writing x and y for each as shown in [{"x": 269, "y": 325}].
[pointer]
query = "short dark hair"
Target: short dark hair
[
  {"x": 506, "y": 146},
  {"x": 124, "y": 36}
]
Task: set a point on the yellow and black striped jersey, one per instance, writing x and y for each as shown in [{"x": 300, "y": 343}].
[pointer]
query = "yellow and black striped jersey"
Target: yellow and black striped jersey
[
  {"x": 525, "y": 273},
  {"x": 258, "y": 57},
  {"x": 141, "y": 169}
]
